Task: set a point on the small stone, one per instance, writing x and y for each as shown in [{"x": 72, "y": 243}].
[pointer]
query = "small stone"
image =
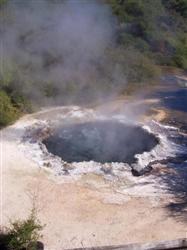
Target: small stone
[
  {"x": 64, "y": 172},
  {"x": 67, "y": 166},
  {"x": 47, "y": 164},
  {"x": 107, "y": 169},
  {"x": 138, "y": 170}
]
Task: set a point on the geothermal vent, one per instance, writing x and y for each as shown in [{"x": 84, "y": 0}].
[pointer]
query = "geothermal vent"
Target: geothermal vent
[{"x": 100, "y": 141}]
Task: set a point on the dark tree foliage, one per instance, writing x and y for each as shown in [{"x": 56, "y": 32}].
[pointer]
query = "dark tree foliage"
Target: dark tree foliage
[
  {"x": 179, "y": 6},
  {"x": 154, "y": 28}
]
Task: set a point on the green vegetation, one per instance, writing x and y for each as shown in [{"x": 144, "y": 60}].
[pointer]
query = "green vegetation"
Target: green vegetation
[
  {"x": 2, "y": 2},
  {"x": 13, "y": 102},
  {"x": 50, "y": 90},
  {"x": 12, "y": 105},
  {"x": 179, "y": 6},
  {"x": 150, "y": 34},
  {"x": 8, "y": 112},
  {"x": 22, "y": 234},
  {"x": 157, "y": 29},
  {"x": 180, "y": 57}
]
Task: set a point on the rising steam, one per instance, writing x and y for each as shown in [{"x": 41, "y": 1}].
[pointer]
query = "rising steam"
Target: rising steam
[{"x": 60, "y": 46}]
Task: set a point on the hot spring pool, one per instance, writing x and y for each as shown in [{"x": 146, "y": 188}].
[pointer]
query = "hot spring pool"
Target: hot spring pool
[{"x": 100, "y": 141}]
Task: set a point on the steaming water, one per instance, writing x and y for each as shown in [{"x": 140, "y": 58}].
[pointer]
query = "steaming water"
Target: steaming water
[
  {"x": 68, "y": 116},
  {"x": 100, "y": 141}
]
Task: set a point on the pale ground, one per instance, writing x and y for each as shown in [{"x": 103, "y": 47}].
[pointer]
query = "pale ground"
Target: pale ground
[{"x": 78, "y": 214}]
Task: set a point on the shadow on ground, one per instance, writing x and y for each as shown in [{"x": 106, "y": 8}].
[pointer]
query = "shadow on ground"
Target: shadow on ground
[
  {"x": 4, "y": 240},
  {"x": 176, "y": 183}
]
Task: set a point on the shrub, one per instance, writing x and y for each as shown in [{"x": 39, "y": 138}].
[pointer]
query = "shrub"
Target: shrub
[
  {"x": 50, "y": 90},
  {"x": 180, "y": 57},
  {"x": 21, "y": 102},
  {"x": 8, "y": 113},
  {"x": 24, "y": 234},
  {"x": 7, "y": 76},
  {"x": 180, "y": 61},
  {"x": 2, "y": 2},
  {"x": 127, "y": 40},
  {"x": 180, "y": 6},
  {"x": 145, "y": 70},
  {"x": 11, "y": 84},
  {"x": 135, "y": 66}
]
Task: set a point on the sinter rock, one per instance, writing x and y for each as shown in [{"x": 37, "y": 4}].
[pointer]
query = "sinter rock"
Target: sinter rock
[{"x": 138, "y": 170}]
